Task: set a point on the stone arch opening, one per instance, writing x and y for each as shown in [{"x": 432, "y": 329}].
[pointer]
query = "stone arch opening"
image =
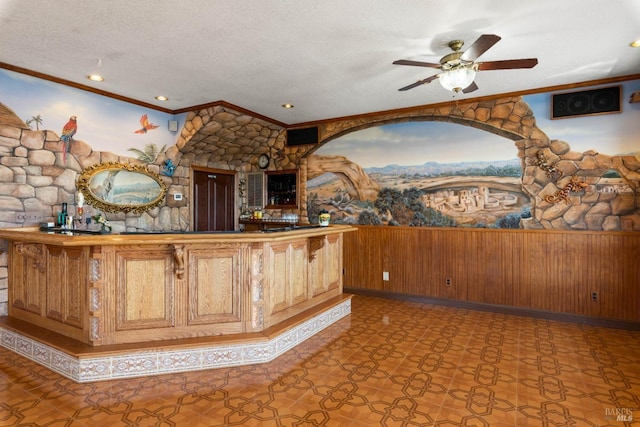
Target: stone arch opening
[
  {"x": 509, "y": 117},
  {"x": 512, "y": 118}
]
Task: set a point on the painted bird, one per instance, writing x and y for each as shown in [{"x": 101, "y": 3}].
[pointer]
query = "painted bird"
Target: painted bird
[
  {"x": 146, "y": 125},
  {"x": 66, "y": 137}
]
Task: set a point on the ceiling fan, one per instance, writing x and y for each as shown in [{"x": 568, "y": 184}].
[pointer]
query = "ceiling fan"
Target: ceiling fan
[{"x": 459, "y": 68}]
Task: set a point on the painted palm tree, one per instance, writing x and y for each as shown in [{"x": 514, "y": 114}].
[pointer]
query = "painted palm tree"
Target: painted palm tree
[
  {"x": 35, "y": 119},
  {"x": 150, "y": 153}
]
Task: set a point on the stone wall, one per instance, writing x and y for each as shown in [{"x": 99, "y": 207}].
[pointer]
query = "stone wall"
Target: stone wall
[{"x": 35, "y": 179}]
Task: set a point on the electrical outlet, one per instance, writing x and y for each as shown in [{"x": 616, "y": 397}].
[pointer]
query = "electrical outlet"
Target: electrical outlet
[
  {"x": 447, "y": 281},
  {"x": 385, "y": 276},
  {"x": 595, "y": 297}
]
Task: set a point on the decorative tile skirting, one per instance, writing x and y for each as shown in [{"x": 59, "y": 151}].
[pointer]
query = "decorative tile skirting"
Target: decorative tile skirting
[{"x": 154, "y": 362}]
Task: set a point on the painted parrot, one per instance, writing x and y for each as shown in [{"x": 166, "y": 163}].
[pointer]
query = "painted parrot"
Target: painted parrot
[
  {"x": 66, "y": 137},
  {"x": 146, "y": 125}
]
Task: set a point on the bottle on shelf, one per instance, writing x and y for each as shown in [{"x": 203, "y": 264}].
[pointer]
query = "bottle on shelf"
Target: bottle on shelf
[{"x": 62, "y": 216}]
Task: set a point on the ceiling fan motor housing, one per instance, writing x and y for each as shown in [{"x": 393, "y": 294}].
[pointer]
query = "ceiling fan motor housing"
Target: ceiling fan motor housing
[{"x": 451, "y": 59}]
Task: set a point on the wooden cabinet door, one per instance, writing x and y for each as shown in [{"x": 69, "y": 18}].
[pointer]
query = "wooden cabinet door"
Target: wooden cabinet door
[
  {"x": 333, "y": 263},
  {"x": 145, "y": 291},
  {"x": 66, "y": 302},
  {"x": 214, "y": 284},
  {"x": 28, "y": 278},
  {"x": 325, "y": 266},
  {"x": 286, "y": 270}
]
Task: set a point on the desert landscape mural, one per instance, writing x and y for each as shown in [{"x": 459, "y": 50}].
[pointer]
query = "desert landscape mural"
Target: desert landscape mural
[{"x": 433, "y": 173}]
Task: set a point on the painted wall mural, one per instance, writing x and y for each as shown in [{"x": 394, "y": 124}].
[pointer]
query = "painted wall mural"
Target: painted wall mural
[
  {"x": 106, "y": 124},
  {"x": 426, "y": 174},
  {"x": 491, "y": 163},
  {"x": 437, "y": 173}
]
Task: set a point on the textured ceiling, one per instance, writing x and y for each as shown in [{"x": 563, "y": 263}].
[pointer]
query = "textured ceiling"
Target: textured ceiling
[{"x": 330, "y": 58}]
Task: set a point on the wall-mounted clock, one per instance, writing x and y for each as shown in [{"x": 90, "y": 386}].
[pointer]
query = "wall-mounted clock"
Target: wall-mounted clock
[{"x": 263, "y": 161}]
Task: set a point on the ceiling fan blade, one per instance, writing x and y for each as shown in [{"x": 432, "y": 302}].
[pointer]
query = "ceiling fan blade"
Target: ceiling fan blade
[
  {"x": 416, "y": 63},
  {"x": 420, "y": 82},
  {"x": 472, "y": 87},
  {"x": 508, "y": 64},
  {"x": 479, "y": 47}
]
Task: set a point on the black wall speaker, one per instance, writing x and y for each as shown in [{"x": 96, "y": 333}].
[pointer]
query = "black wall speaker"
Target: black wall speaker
[
  {"x": 302, "y": 136},
  {"x": 597, "y": 101}
]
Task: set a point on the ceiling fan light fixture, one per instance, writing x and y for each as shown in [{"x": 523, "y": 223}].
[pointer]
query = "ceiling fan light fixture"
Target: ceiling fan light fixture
[{"x": 457, "y": 78}]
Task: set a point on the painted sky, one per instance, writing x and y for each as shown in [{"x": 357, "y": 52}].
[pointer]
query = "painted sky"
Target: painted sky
[
  {"x": 104, "y": 123},
  {"x": 108, "y": 125},
  {"x": 411, "y": 143},
  {"x": 617, "y": 133}
]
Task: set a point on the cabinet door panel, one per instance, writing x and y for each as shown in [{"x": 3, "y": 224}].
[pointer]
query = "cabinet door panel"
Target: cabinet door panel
[
  {"x": 333, "y": 264},
  {"x": 298, "y": 270},
  {"x": 325, "y": 264},
  {"x": 75, "y": 308},
  {"x": 145, "y": 290},
  {"x": 56, "y": 273},
  {"x": 287, "y": 272},
  {"x": 214, "y": 285},
  {"x": 278, "y": 273},
  {"x": 317, "y": 274},
  {"x": 67, "y": 268},
  {"x": 27, "y": 290}
]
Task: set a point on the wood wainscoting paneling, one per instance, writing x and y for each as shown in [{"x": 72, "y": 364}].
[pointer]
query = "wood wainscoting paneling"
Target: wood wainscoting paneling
[{"x": 580, "y": 273}]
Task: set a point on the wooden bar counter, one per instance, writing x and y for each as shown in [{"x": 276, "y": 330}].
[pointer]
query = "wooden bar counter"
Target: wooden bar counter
[{"x": 111, "y": 289}]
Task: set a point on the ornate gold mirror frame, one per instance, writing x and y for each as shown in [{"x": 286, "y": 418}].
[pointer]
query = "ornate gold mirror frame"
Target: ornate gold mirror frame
[{"x": 121, "y": 187}]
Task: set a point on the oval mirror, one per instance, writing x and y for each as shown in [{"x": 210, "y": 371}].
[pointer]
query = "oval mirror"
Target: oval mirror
[{"x": 121, "y": 187}]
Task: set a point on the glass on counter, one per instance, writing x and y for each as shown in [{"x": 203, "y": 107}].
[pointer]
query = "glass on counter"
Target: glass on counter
[{"x": 290, "y": 218}]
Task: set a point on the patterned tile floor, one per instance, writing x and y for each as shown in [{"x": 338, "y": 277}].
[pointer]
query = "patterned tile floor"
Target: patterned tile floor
[{"x": 390, "y": 363}]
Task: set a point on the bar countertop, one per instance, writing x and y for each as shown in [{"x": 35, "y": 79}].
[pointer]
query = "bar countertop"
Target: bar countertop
[{"x": 84, "y": 238}]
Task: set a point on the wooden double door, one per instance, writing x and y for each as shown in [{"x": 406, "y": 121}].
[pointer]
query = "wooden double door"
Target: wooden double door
[{"x": 214, "y": 196}]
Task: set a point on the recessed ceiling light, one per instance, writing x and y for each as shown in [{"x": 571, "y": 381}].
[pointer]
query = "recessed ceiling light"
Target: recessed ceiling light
[
  {"x": 635, "y": 43},
  {"x": 95, "y": 77},
  {"x": 287, "y": 105},
  {"x": 162, "y": 98}
]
